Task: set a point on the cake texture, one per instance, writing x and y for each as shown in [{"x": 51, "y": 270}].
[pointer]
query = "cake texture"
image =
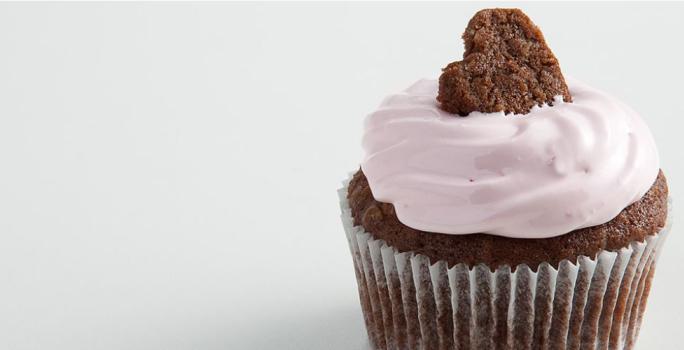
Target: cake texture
[
  {"x": 642, "y": 218},
  {"x": 410, "y": 302},
  {"x": 506, "y": 66},
  {"x": 503, "y": 206}
]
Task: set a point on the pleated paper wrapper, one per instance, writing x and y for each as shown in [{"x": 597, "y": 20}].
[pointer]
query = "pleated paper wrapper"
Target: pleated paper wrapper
[{"x": 408, "y": 303}]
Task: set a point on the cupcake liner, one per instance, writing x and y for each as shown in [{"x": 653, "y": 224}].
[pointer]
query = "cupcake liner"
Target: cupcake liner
[{"x": 409, "y": 303}]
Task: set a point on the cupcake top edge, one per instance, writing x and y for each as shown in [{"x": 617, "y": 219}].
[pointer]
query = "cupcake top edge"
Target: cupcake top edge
[{"x": 536, "y": 157}]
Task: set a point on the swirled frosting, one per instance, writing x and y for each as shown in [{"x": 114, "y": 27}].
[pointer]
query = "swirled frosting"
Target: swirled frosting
[{"x": 543, "y": 174}]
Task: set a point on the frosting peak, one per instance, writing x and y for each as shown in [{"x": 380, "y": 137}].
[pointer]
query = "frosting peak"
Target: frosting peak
[{"x": 543, "y": 174}]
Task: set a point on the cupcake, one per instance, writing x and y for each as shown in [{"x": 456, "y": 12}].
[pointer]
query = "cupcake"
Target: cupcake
[{"x": 504, "y": 206}]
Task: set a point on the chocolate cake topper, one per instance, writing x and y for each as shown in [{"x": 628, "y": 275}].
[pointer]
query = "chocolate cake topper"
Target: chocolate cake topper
[{"x": 506, "y": 66}]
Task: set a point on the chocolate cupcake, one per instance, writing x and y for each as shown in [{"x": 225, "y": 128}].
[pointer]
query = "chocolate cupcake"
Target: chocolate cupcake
[{"x": 503, "y": 206}]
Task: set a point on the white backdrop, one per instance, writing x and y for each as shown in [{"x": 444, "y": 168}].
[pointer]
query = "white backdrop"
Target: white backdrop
[{"x": 168, "y": 171}]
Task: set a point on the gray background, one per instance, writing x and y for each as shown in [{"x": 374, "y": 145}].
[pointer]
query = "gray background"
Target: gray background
[{"x": 168, "y": 171}]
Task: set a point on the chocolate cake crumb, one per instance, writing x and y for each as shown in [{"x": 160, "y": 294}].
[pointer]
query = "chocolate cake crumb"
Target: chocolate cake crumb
[
  {"x": 640, "y": 219},
  {"x": 506, "y": 66}
]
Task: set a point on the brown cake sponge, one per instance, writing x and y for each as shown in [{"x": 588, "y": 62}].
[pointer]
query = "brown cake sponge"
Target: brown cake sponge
[
  {"x": 642, "y": 218},
  {"x": 506, "y": 66}
]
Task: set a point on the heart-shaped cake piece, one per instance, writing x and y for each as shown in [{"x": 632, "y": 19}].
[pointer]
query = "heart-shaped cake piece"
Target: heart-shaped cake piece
[{"x": 506, "y": 66}]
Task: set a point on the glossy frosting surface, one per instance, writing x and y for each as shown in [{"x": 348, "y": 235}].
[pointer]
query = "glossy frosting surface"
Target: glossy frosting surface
[{"x": 543, "y": 174}]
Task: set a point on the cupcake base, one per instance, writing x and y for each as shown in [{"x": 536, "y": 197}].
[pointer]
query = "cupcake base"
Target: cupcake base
[{"x": 409, "y": 303}]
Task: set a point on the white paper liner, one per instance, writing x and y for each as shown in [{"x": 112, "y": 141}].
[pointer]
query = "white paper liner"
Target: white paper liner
[{"x": 409, "y": 303}]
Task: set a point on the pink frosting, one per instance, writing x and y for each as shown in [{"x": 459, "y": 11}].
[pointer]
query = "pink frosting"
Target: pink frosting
[{"x": 543, "y": 174}]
